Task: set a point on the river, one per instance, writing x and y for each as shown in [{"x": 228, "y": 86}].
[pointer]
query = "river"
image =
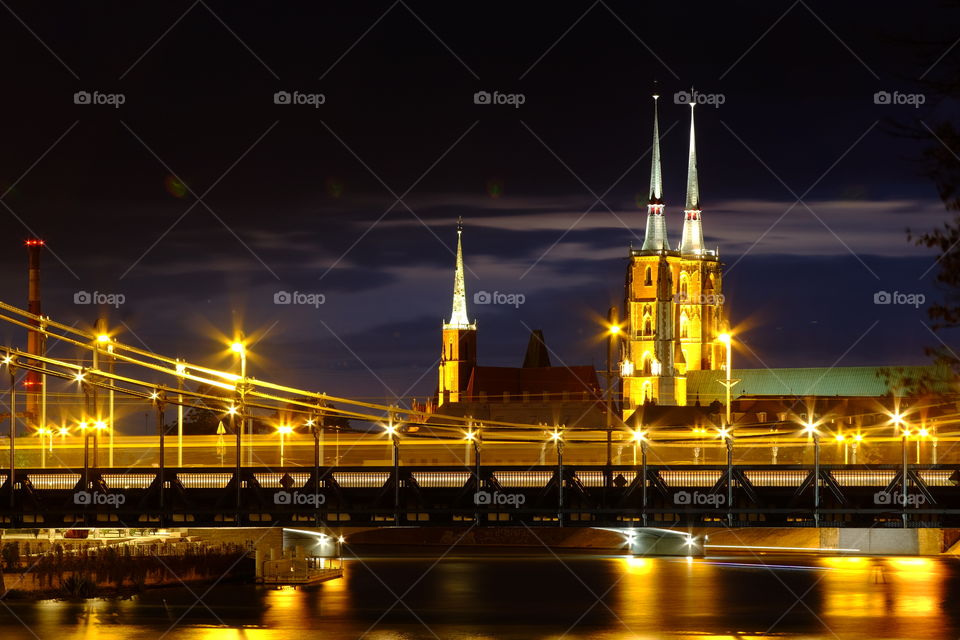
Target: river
[{"x": 575, "y": 597}]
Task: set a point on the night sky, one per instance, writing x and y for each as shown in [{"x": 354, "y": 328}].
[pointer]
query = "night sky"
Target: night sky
[{"x": 199, "y": 198}]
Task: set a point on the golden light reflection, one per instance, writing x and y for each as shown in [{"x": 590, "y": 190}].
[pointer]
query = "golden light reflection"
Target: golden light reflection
[
  {"x": 635, "y": 565},
  {"x": 890, "y": 589}
]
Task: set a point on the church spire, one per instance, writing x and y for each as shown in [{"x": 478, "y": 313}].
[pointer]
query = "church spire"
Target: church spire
[
  {"x": 692, "y": 239},
  {"x": 656, "y": 235},
  {"x": 656, "y": 177},
  {"x": 458, "y": 317}
]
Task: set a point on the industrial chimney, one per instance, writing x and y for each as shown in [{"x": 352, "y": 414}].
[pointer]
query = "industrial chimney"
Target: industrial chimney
[{"x": 35, "y": 339}]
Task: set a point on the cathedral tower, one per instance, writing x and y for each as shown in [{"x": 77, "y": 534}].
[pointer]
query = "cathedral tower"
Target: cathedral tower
[
  {"x": 673, "y": 305},
  {"x": 458, "y": 354}
]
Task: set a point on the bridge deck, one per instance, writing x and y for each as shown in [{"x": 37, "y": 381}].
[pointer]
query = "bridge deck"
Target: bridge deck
[{"x": 693, "y": 495}]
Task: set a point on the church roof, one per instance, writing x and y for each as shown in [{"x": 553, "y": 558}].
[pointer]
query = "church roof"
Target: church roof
[
  {"x": 517, "y": 380},
  {"x": 810, "y": 381},
  {"x": 537, "y": 354}
]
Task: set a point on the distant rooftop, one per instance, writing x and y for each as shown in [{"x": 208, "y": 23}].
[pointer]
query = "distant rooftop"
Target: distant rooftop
[{"x": 813, "y": 381}]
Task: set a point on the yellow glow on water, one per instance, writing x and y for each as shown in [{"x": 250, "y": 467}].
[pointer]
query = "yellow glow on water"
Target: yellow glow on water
[
  {"x": 638, "y": 565},
  {"x": 849, "y": 563},
  {"x": 893, "y": 589}
]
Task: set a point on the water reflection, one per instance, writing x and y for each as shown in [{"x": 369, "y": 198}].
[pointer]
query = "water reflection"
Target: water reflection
[{"x": 575, "y": 597}]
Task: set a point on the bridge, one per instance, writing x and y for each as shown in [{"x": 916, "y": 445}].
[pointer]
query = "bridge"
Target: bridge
[
  {"x": 410, "y": 468},
  {"x": 534, "y": 496}
]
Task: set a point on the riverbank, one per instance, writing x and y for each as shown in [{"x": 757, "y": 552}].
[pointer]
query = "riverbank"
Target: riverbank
[{"x": 117, "y": 570}]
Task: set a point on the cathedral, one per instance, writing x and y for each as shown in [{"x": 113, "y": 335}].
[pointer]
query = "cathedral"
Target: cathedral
[
  {"x": 673, "y": 312},
  {"x": 673, "y": 305},
  {"x": 673, "y": 343}
]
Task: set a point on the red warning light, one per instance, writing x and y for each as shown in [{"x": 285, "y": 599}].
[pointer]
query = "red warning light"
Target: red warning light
[{"x": 35, "y": 242}]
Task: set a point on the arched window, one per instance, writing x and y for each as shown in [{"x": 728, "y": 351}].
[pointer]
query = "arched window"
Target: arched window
[
  {"x": 683, "y": 287},
  {"x": 684, "y": 322},
  {"x": 647, "y": 326},
  {"x": 648, "y": 277},
  {"x": 647, "y": 392},
  {"x": 647, "y": 364}
]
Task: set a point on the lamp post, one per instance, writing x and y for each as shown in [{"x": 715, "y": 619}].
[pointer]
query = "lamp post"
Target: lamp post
[
  {"x": 842, "y": 439},
  {"x": 473, "y": 436},
  {"x": 232, "y": 413},
  {"x": 811, "y": 430},
  {"x": 11, "y": 370},
  {"x": 392, "y": 430},
  {"x": 41, "y": 433},
  {"x": 181, "y": 370},
  {"x": 313, "y": 423},
  {"x": 283, "y": 430},
  {"x": 725, "y": 435},
  {"x": 921, "y": 434},
  {"x": 98, "y": 427},
  {"x": 640, "y": 437},
  {"x": 86, "y": 454},
  {"x": 900, "y": 423},
  {"x": 556, "y": 436},
  {"x": 239, "y": 348},
  {"x": 43, "y": 378},
  {"x": 613, "y": 336},
  {"x": 104, "y": 341},
  {"x": 727, "y": 339},
  {"x": 159, "y": 398}
]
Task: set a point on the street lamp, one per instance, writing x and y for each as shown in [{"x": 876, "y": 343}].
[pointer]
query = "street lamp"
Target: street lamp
[
  {"x": 810, "y": 429},
  {"x": 613, "y": 338},
  {"x": 104, "y": 340},
  {"x": 556, "y": 436},
  {"x": 473, "y": 436},
  {"x": 232, "y": 413},
  {"x": 641, "y": 436},
  {"x": 42, "y": 432},
  {"x": 239, "y": 348},
  {"x": 922, "y": 433},
  {"x": 83, "y": 426},
  {"x": 284, "y": 430},
  {"x": 11, "y": 370},
  {"x": 842, "y": 439},
  {"x": 98, "y": 427},
  {"x": 316, "y": 428},
  {"x": 638, "y": 436},
  {"x": 393, "y": 432},
  {"x": 726, "y": 338},
  {"x": 725, "y": 434},
  {"x": 900, "y": 423},
  {"x": 181, "y": 370}
]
